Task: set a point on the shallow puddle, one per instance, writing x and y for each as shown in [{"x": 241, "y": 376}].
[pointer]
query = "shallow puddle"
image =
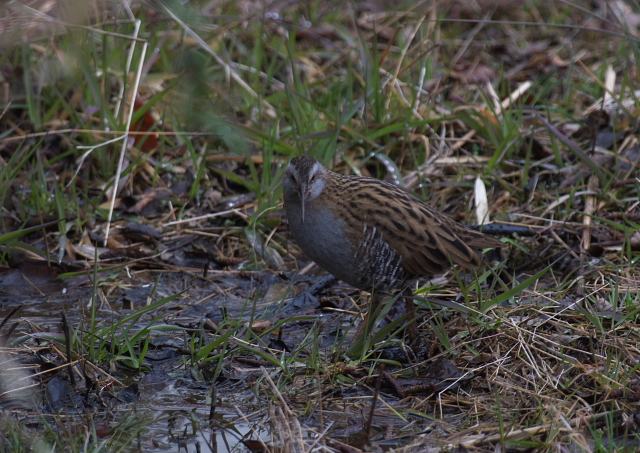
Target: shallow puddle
[{"x": 166, "y": 405}]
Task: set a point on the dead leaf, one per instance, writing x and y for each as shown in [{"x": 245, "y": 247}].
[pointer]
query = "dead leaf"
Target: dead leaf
[
  {"x": 147, "y": 123},
  {"x": 152, "y": 202},
  {"x": 139, "y": 232},
  {"x": 261, "y": 325}
]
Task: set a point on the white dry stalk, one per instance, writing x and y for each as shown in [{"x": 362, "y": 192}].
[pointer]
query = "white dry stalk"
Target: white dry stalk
[
  {"x": 132, "y": 98},
  {"x": 482, "y": 204}
]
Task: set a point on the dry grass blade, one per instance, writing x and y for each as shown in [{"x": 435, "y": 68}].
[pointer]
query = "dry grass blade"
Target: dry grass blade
[{"x": 287, "y": 435}]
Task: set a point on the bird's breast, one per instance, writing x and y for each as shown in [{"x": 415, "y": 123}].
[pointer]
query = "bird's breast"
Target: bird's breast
[
  {"x": 322, "y": 236},
  {"x": 354, "y": 251}
]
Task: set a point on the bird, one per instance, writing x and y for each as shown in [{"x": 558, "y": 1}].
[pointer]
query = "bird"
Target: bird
[{"x": 370, "y": 233}]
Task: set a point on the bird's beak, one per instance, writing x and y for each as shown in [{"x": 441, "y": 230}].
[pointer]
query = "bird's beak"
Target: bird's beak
[{"x": 303, "y": 198}]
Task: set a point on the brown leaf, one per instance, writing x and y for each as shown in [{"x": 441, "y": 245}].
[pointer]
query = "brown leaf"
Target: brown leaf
[
  {"x": 140, "y": 232},
  {"x": 152, "y": 202},
  {"x": 477, "y": 74},
  {"x": 148, "y": 121},
  {"x": 131, "y": 253}
]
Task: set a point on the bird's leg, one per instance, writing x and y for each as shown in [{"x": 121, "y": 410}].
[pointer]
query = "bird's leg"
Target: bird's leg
[
  {"x": 367, "y": 334},
  {"x": 410, "y": 306},
  {"x": 368, "y": 323},
  {"x": 380, "y": 308}
]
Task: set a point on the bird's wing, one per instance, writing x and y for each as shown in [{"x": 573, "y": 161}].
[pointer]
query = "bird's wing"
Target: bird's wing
[{"x": 428, "y": 240}]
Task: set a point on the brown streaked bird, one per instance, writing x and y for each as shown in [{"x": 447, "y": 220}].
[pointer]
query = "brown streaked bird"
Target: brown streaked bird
[{"x": 370, "y": 233}]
